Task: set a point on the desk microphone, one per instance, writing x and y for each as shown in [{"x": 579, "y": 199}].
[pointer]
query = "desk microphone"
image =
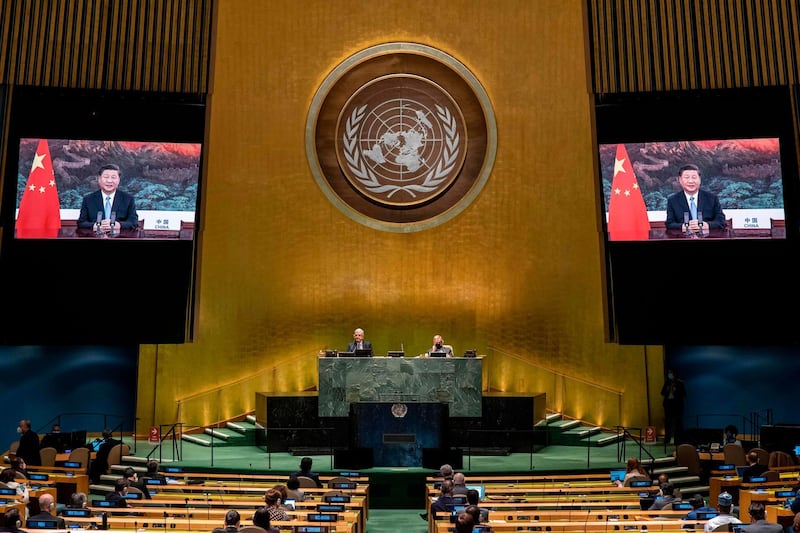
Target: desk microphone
[
  {"x": 99, "y": 221},
  {"x": 700, "y": 219},
  {"x": 113, "y": 220},
  {"x": 686, "y": 221}
]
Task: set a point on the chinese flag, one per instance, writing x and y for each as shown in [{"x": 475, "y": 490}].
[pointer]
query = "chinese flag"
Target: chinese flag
[
  {"x": 627, "y": 214},
  {"x": 40, "y": 211}
]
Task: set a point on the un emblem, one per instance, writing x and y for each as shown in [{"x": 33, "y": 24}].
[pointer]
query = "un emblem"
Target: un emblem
[
  {"x": 401, "y": 137},
  {"x": 401, "y": 140}
]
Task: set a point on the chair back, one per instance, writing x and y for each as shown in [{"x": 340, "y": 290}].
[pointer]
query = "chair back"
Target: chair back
[
  {"x": 772, "y": 475},
  {"x": 779, "y": 458},
  {"x": 252, "y": 529},
  {"x": 47, "y": 455},
  {"x": 734, "y": 454},
  {"x": 135, "y": 490},
  {"x": 306, "y": 482},
  {"x": 688, "y": 457},
  {"x": 725, "y": 527},
  {"x": 338, "y": 479},
  {"x": 116, "y": 454},
  {"x": 80, "y": 455},
  {"x": 631, "y": 479},
  {"x": 763, "y": 456}
]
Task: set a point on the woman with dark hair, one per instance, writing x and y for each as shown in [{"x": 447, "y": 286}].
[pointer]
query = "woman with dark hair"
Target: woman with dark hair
[
  {"x": 261, "y": 519},
  {"x": 273, "y": 500},
  {"x": 633, "y": 470}
]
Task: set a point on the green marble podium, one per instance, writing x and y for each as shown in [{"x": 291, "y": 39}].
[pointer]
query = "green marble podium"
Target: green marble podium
[{"x": 456, "y": 381}]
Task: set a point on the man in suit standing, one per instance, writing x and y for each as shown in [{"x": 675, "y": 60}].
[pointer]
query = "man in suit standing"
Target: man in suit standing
[
  {"x": 684, "y": 207},
  {"x": 108, "y": 210},
  {"x": 358, "y": 342},
  {"x": 674, "y": 393},
  {"x": 28, "y": 448}
]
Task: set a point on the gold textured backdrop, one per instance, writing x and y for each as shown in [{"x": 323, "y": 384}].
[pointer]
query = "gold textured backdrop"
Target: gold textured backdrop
[{"x": 283, "y": 273}]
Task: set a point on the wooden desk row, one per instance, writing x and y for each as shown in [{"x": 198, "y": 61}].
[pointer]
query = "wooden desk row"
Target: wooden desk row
[
  {"x": 588, "y": 525},
  {"x": 200, "y": 524},
  {"x": 718, "y": 485}
]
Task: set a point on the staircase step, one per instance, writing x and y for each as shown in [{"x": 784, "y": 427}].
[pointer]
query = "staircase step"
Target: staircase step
[
  {"x": 200, "y": 439},
  {"x": 659, "y": 461},
  {"x": 552, "y": 417},
  {"x": 608, "y": 438},
  {"x": 670, "y": 470},
  {"x": 684, "y": 480},
  {"x": 564, "y": 425},
  {"x": 687, "y": 492}
]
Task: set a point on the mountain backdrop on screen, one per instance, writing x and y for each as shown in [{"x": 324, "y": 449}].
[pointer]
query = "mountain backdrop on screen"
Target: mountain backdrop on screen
[
  {"x": 745, "y": 174},
  {"x": 162, "y": 176}
]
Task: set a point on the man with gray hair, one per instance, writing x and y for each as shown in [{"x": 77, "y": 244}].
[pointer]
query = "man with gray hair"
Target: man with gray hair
[{"x": 460, "y": 484}]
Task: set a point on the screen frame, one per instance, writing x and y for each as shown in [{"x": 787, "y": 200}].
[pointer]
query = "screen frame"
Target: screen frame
[
  {"x": 164, "y": 307},
  {"x": 640, "y": 278}
]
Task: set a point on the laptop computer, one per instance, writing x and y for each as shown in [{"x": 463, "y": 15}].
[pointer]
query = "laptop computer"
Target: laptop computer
[
  {"x": 706, "y": 516},
  {"x": 480, "y": 488},
  {"x": 617, "y": 475},
  {"x": 740, "y": 470}
]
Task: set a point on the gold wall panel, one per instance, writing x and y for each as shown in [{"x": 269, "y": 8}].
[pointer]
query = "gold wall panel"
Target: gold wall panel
[{"x": 283, "y": 273}]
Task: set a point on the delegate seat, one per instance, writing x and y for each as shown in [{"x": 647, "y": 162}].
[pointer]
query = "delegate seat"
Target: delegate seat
[
  {"x": 47, "y": 456},
  {"x": 734, "y": 454},
  {"x": 80, "y": 455},
  {"x": 306, "y": 482},
  {"x": 688, "y": 457}
]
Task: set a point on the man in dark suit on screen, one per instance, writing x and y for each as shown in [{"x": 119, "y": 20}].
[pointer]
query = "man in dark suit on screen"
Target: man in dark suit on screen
[
  {"x": 684, "y": 207},
  {"x": 108, "y": 210}
]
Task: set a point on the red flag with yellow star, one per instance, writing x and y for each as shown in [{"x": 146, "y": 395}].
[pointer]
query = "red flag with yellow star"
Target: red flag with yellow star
[
  {"x": 627, "y": 214},
  {"x": 39, "y": 214}
]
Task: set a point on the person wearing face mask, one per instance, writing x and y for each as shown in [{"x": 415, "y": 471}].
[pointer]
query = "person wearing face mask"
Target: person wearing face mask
[
  {"x": 439, "y": 347},
  {"x": 28, "y": 448},
  {"x": 674, "y": 393}
]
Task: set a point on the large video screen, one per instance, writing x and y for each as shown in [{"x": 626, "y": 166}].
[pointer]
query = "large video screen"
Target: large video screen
[
  {"x": 738, "y": 184},
  {"x": 57, "y": 177},
  {"x": 101, "y": 216},
  {"x": 698, "y": 197}
]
